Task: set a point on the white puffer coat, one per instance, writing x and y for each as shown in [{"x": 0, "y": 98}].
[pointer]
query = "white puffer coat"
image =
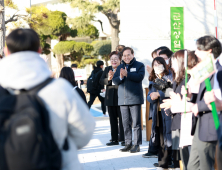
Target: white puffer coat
[{"x": 69, "y": 115}]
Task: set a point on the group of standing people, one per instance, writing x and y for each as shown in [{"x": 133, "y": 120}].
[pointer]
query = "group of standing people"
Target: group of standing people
[
  {"x": 176, "y": 138},
  {"x": 191, "y": 137},
  {"x": 124, "y": 96}
]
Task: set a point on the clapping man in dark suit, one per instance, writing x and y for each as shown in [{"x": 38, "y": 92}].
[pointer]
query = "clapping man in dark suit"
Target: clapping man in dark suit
[{"x": 129, "y": 76}]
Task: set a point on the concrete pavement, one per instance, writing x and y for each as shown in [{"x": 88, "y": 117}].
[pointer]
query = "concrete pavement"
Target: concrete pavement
[{"x": 97, "y": 156}]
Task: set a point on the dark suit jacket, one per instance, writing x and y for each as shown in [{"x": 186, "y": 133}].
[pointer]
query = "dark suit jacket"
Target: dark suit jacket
[
  {"x": 207, "y": 131},
  {"x": 111, "y": 97}
]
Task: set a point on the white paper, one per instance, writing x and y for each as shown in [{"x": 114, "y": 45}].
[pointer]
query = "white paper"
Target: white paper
[{"x": 185, "y": 130}]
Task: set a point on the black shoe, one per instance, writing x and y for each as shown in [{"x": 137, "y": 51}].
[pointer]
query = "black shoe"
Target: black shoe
[
  {"x": 112, "y": 143},
  {"x": 156, "y": 164},
  {"x": 122, "y": 143},
  {"x": 135, "y": 148},
  {"x": 126, "y": 148},
  {"x": 149, "y": 155}
]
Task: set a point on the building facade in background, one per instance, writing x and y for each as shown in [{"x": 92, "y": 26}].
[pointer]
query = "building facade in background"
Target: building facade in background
[{"x": 145, "y": 25}]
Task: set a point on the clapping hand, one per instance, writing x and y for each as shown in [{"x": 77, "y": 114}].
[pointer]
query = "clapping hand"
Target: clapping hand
[
  {"x": 149, "y": 69},
  {"x": 167, "y": 103},
  {"x": 154, "y": 95},
  {"x": 123, "y": 73},
  {"x": 110, "y": 75}
]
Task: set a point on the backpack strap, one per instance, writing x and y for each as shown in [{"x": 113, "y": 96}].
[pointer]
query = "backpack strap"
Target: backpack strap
[{"x": 37, "y": 88}]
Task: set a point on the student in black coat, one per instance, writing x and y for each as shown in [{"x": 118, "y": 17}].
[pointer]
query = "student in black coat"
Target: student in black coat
[
  {"x": 68, "y": 74},
  {"x": 97, "y": 87},
  {"x": 205, "y": 136},
  {"x": 111, "y": 100}
]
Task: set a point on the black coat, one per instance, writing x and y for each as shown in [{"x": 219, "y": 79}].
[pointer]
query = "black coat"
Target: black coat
[
  {"x": 97, "y": 87},
  {"x": 2, "y": 91},
  {"x": 81, "y": 93},
  {"x": 130, "y": 91},
  {"x": 111, "y": 97}
]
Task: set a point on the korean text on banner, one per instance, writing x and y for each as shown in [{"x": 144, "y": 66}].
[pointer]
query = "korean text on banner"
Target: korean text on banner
[
  {"x": 80, "y": 74},
  {"x": 177, "y": 28}
]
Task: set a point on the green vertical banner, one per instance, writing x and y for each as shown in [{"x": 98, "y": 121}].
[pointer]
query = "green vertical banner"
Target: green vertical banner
[{"x": 177, "y": 28}]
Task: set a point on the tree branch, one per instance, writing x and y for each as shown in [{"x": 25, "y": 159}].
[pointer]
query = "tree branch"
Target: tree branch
[
  {"x": 108, "y": 15},
  {"x": 15, "y": 17},
  {"x": 101, "y": 23}
]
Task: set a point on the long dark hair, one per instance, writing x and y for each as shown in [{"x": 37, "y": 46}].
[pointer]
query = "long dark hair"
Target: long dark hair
[
  {"x": 68, "y": 74},
  {"x": 179, "y": 56},
  {"x": 159, "y": 60},
  {"x": 191, "y": 62}
]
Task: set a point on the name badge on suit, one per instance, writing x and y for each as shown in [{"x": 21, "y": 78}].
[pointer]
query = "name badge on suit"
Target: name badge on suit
[{"x": 133, "y": 70}]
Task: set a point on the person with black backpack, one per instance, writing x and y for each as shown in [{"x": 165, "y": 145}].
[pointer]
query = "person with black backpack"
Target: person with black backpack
[
  {"x": 43, "y": 121},
  {"x": 94, "y": 87}
]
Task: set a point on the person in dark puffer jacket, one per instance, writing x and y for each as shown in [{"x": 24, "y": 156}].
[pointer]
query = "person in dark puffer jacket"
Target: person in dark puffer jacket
[
  {"x": 129, "y": 76},
  {"x": 97, "y": 87}
]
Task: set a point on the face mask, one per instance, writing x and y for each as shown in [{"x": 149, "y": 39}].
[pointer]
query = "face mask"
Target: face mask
[
  {"x": 159, "y": 69},
  {"x": 167, "y": 62}
]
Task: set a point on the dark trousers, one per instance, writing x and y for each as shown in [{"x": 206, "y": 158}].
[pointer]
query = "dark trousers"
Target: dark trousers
[
  {"x": 164, "y": 153},
  {"x": 202, "y": 154},
  {"x": 184, "y": 155},
  {"x": 153, "y": 149},
  {"x": 132, "y": 114},
  {"x": 114, "y": 113},
  {"x": 93, "y": 97},
  {"x": 176, "y": 158},
  {"x": 219, "y": 156}
]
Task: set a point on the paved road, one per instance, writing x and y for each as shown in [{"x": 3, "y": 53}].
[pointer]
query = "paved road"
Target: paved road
[{"x": 97, "y": 156}]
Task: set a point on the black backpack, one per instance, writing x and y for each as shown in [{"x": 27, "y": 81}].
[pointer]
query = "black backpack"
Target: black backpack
[
  {"x": 26, "y": 141},
  {"x": 91, "y": 82}
]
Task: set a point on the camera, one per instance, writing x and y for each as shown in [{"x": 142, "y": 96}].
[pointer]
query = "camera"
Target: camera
[{"x": 161, "y": 84}]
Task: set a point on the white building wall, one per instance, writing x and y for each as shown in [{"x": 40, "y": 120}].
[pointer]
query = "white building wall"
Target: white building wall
[{"x": 145, "y": 24}]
